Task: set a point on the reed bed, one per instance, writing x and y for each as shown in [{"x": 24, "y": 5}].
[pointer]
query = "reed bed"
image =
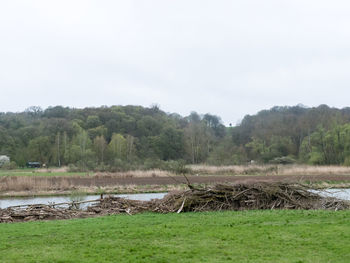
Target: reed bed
[
  {"x": 138, "y": 173},
  {"x": 51, "y": 183},
  {"x": 270, "y": 170}
]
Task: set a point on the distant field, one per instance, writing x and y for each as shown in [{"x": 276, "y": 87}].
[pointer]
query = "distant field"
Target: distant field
[
  {"x": 238, "y": 170},
  {"x": 249, "y": 236},
  {"x": 64, "y": 172}
]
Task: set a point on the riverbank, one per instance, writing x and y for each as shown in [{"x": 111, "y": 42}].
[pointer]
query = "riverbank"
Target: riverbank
[
  {"x": 123, "y": 189},
  {"x": 115, "y": 183},
  {"x": 243, "y": 236}
]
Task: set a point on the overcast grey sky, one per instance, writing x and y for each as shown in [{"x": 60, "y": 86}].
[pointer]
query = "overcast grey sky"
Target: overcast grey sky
[{"x": 228, "y": 58}]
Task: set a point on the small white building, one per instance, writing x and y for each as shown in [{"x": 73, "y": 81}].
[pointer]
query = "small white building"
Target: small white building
[{"x": 4, "y": 159}]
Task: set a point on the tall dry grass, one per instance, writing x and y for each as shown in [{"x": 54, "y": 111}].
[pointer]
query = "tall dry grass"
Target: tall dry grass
[
  {"x": 34, "y": 183},
  {"x": 233, "y": 169},
  {"x": 313, "y": 170},
  {"x": 62, "y": 183},
  {"x": 138, "y": 173},
  {"x": 62, "y": 169},
  {"x": 270, "y": 170}
]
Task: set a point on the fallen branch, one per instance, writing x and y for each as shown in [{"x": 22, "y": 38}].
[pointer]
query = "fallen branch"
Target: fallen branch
[{"x": 181, "y": 207}]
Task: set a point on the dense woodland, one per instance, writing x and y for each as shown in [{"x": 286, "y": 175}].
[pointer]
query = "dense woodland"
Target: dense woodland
[{"x": 124, "y": 137}]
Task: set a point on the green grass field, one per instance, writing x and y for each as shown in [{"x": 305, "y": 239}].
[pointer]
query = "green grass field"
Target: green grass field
[{"x": 249, "y": 236}]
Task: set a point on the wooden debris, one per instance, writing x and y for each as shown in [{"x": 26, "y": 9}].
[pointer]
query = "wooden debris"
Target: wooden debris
[
  {"x": 248, "y": 196},
  {"x": 215, "y": 198}
]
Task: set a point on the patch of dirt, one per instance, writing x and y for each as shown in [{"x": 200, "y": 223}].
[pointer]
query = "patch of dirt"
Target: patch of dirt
[{"x": 112, "y": 180}]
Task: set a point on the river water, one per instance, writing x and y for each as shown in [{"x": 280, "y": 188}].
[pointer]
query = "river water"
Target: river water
[
  {"x": 4, "y": 203},
  {"x": 337, "y": 193}
]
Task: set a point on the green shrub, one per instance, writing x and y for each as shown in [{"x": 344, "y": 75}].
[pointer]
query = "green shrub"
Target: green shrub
[
  {"x": 9, "y": 166},
  {"x": 73, "y": 168},
  {"x": 150, "y": 164},
  {"x": 178, "y": 167},
  {"x": 347, "y": 161},
  {"x": 283, "y": 160}
]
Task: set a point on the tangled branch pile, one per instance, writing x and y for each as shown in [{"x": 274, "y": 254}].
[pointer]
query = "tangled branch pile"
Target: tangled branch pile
[
  {"x": 39, "y": 212},
  {"x": 226, "y": 197},
  {"x": 248, "y": 196},
  {"x": 116, "y": 205},
  {"x": 215, "y": 198}
]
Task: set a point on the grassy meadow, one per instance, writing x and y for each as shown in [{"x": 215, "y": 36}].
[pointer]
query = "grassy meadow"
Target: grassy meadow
[{"x": 247, "y": 236}]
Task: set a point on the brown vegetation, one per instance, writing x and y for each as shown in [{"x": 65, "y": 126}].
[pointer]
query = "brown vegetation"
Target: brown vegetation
[
  {"x": 30, "y": 185},
  {"x": 34, "y": 184},
  {"x": 271, "y": 170}
]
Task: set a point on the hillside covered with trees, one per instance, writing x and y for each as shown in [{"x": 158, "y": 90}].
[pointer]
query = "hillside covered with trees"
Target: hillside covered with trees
[{"x": 123, "y": 137}]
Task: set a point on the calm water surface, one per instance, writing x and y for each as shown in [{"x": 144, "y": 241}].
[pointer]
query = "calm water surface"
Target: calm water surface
[
  {"x": 337, "y": 193},
  {"x": 4, "y": 203}
]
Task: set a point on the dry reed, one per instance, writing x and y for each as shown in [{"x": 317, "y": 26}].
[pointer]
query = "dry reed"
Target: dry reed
[{"x": 271, "y": 170}]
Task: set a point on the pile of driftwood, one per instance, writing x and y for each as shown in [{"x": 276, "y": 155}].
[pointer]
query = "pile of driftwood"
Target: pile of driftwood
[
  {"x": 39, "y": 212},
  {"x": 224, "y": 197},
  {"x": 215, "y": 198},
  {"x": 248, "y": 196},
  {"x": 116, "y": 205}
]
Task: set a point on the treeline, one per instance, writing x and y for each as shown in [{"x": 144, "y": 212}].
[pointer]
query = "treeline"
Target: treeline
[
  {"x": 117, "y": 136},
  {"x": 294, "y": 134},
  {"x": 122, "y": 137}
]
